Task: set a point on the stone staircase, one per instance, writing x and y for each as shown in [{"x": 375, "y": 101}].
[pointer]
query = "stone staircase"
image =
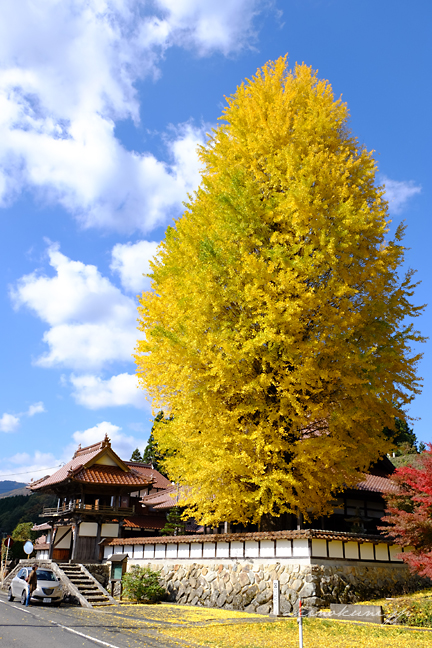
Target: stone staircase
[{"x": 83, "y": 585}]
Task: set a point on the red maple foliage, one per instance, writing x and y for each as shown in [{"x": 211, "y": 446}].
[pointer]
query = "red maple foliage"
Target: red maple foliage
[{"x": 409, "y": 513}]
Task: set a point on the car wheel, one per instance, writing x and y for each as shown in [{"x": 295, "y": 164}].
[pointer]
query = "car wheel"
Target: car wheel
[
  {"x": 9, "y": 595},
  {"x": 23, "y": 597}
]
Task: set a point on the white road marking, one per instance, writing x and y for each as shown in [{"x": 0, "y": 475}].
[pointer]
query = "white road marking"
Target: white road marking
[{"x": 59, "y": 625}]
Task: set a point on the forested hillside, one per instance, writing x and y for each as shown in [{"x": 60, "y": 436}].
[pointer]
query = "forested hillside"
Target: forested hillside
[{"x": 22, "y": 508}]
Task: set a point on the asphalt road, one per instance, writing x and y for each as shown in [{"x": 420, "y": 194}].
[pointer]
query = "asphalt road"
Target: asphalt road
[{"x": 69, "y": 627}]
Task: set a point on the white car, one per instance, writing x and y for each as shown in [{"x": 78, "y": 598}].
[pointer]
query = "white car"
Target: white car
[{"x": 48, "y": 590}]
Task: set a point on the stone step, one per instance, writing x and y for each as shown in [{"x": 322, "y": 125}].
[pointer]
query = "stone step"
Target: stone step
[
  {"x": 93, "y": 590},
  {"x": 72, "y": 571},
  {"x": 97, "y": 599},
  {"x": 80, "y": 579},
  {"x": 87, "y": 586}
]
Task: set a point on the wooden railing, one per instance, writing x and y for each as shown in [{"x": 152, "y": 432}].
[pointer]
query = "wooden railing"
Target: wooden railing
[{"x": 87, "y": 508}]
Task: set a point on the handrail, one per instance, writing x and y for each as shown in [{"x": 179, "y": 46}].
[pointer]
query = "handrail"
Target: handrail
[{"x": 88, "y": 508}]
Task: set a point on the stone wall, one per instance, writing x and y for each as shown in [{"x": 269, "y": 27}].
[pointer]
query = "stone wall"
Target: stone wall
[
  {"x": 249, "y": 585},
  {"x": 100, "y": 572}
]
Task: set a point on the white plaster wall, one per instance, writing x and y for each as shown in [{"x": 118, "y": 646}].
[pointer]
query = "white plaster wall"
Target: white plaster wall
[
  {"x": 222, "y": 550},
  {"x": 64, "y": 542},
  {"x": 319, "y": 547},
  {"x": 381, "y": 551},
  {"x": 149, "y": 552},
  {"x": 300, "y": 547},
  {"x": 335, "y": 549},
  {"x": 88, "y": 529},
  {"x": 196, "y": 550},
  {"x": 171, "y": 551},
  {"x": 296, "y": 551},
  {"x": 367, "y": 551},
  {"x": 109, "y": 530},
  {"x": 251, "y": 549},
  {"x": 352, "y": 550},
  {"x": 267, "y": 548}
]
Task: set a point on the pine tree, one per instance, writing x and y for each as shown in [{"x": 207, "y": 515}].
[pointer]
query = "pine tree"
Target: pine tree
[
  {"x": 136, "y": 456},
  {"x": 404, "y": 438},
  {"x": 151, "y": 454},
  {"x": 175, "y": 524},
  {"x": 277, "y": 332}
]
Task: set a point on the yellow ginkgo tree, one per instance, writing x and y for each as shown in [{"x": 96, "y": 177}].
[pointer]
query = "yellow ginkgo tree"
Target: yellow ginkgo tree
[{"x": 278, "y": 329}]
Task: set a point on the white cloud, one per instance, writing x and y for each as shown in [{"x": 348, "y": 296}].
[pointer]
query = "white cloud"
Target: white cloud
[
  {"x": 94, "y": 392},
  {"x": 398, "y": 193},
  {"x": 91, "y": 322},
  {"x": 104, "y": 185},
  {"x": 37, "y": 408},
  {"x": 69, "y": 70},
  {"x": 122, "y": 444},
  {"x": 23, "y": 467},
  {"x": 131, "y": 262},
  {"x": 9, "y": 423},
  {"x": 207, "y": 25}
]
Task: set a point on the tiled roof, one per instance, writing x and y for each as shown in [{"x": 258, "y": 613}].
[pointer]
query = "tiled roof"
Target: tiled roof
[
  {"x": 81, "y": 457},
  {"x": 106, "y": 475},
  {"x": 88, "y": 450},
  {"x": 164, "y": 500},
  {"x": 375, "y": 484},
  {"x": 97, "y": 473},
  {"x": 169, "y": 497},
  {"x": 60, "y": 475},
  {"x": 159, "y": 481},
  {"x": 144, "y": 522},
  {"x": 41, "y": 527},
  {"x": 262, "y": 535},
  {"x": 42, "y": 547}
]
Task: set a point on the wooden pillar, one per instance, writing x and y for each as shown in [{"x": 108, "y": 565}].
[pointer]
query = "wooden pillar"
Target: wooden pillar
[
  {"x": 98, "y": 537},
  {"x": 53, "y": 535},
  {"x": 75, "y": 540}
]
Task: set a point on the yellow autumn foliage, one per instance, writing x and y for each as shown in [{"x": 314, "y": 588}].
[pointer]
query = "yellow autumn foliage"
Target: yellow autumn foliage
[
  {"x": 316, "y": 634},
  {"x": 276, "y": 330}
]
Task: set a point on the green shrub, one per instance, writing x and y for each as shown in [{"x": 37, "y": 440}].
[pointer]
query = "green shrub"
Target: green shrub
[{"x": 141, "y": 584}]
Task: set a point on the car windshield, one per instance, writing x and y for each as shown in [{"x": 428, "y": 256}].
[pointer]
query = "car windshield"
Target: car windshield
[{"x": 45, "y": 575}]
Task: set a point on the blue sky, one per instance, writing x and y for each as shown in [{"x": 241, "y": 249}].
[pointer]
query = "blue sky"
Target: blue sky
[{"x": 102, "y": 105}]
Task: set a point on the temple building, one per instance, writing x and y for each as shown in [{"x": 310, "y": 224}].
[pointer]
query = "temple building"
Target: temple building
[
  {"x": 99, "y": 498},
  {"x": 102, "y": 497},
  {"x": 357, "y": 510}
]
